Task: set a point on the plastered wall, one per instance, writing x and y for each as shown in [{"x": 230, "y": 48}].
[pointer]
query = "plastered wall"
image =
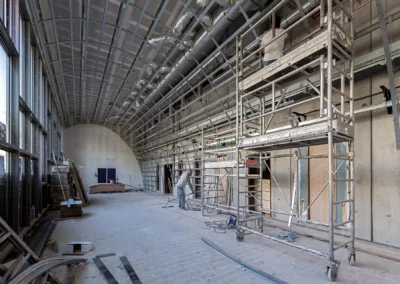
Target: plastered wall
[{"x": 92, "y": 146}]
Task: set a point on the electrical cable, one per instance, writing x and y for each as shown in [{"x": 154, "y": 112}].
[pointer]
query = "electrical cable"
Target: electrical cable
[{"x": 220, "y": 227}]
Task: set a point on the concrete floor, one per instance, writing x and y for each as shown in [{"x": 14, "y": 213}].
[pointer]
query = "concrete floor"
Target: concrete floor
[{"x": 165, "y": 246}]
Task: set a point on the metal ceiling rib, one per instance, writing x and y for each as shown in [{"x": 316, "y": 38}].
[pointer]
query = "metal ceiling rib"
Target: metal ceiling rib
[
  {"x": 98, "y": 50},
  {"x": 92, "y": 49}
]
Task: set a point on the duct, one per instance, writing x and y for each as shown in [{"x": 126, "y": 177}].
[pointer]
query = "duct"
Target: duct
[
  {"x": 141, "y": 84},
  {"x": 127, "y": 103},
  {"x": 158, "y": 41},
  {"x": 183, "y": 22},
  {"x": 207, "y": 20},
  {"x": 204, "y": 3},
  {"x": 185, "y": 44},
  {"x": 150, "y": 70},
  {"x": 203, "y": 44},
  {"x": 151, "y": 86},
  {"x": 208, "y": 67},
  {"x": 185, "y": 63}
]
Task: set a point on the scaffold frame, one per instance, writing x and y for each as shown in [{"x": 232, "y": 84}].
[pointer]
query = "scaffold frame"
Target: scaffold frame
[{"x": 328, "y": 51}]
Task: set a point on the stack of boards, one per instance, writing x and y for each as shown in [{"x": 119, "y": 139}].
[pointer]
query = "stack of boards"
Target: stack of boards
[{"x": 69, "y": 176}]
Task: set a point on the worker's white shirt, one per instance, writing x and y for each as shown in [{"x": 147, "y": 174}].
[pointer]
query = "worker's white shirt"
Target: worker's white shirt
[
  {"x": 182, "y": 180},
  {"x": 274, "y": 50}
]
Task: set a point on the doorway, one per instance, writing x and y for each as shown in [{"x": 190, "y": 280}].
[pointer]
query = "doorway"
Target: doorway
[
  {"x": 197, "y": 179},
  {"x": 254, "y": 185},
  {"x": 158, "y": 178},
  {"x": 168, "y": 185}
]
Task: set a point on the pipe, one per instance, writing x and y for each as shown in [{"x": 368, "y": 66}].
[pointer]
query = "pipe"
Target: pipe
[
  {"x": 183, "y": 22},
  {"x": 204, "y": 3},
  {"x": 202, "y": 45},
  {"x": 157, "y": 41},
  {"x": 140, "y": 84},
  {"x": 196, "y": 77},
  {"x": 154, "y": 66}
]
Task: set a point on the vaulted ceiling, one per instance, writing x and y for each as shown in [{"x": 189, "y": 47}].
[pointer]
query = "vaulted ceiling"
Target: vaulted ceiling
[
  {"x": 97, "y": 51},
  {"x": 121, "y": 63}
]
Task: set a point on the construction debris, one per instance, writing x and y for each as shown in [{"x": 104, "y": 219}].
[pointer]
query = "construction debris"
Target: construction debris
[
  {"x": 71, "y": 210},
  {"x": 60, "y": 185},
  {"x": 78, "y": 183},
  {"x": 106, "y": 188},
  {"x": 79, "y": 248}
]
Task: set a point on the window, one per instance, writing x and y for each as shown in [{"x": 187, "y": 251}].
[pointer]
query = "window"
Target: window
[
  {"x": 106, "y": 175},
  {"x": 3, "y": 95}
]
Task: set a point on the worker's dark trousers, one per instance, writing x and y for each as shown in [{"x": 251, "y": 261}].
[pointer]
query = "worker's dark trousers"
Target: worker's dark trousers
[{"x": 181, "y": 196}]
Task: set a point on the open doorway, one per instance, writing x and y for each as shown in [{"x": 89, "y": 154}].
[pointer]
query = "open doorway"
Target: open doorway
[
  {"x": 197, "y": 179},
  {"x": 158, "y": 178},
  {"x": 168, "y": 185},
  {"x": 254, "y": 185}
]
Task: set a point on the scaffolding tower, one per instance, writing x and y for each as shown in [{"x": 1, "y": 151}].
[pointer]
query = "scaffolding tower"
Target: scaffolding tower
[
  {"x": 217, "y": 164},
  {"x": 322, "y": 56}
]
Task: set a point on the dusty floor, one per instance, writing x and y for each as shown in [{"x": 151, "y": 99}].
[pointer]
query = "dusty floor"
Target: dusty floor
[{"x": 164, "y": 246}]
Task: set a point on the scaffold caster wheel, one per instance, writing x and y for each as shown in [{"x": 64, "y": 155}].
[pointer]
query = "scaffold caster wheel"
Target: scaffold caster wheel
[
  {"x": 352, "y": 259},
  {"x": 332, "y": 273},
  {"x": 240, "y": 236}
]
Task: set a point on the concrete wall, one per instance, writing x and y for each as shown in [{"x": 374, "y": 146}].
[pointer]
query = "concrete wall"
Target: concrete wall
[
  {"x": 92, "y": 146},
  {"x": 377, "y": 167}
]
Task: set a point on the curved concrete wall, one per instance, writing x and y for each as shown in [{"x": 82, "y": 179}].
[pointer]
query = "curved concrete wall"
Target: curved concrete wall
[{"x": 93, "y": 146}]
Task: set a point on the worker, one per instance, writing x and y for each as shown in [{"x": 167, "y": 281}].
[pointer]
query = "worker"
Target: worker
[
  {"x": 274, "y": 50},
  {"x": 180, "y": 186}
]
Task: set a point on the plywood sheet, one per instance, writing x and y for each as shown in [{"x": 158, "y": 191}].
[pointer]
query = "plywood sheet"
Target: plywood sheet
[
  {"x": 318, "y": 175},
  {"x": 106, "y": 188}
]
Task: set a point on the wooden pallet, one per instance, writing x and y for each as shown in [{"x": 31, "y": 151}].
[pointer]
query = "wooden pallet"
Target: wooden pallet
[{"x": 78, "y": 183}]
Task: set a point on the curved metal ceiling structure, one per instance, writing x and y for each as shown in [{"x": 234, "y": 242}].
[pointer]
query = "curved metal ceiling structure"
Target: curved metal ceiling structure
[{"x": 119, "y": 63}]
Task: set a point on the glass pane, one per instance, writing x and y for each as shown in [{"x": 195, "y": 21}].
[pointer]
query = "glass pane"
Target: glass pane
[
  {"x": 3, "y": 182},
  {"x": 22, "y": 130},
  {"x": 21, "y": 60},
  {"x": 21, "y": 184},
  {"x": 32, "y": 138},
  {"x": 32, "y": 79},
  {"x": 2, "y": 10},
  {"x": 3, "y": 94}
]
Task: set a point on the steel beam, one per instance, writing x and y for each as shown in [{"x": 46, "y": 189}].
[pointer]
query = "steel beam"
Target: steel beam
[{"x": 389, "y": 66}]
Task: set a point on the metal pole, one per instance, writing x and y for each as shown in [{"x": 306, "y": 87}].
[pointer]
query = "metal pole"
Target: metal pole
[
  {"x": 351, "y": 144},
  {"x": 237, "y": 133},
  {"x": 330, "y": 134},
  {"x": 389, "y": 66},
  {"x": 322, "y": 86},
  {"x": 202, "y": 171}
]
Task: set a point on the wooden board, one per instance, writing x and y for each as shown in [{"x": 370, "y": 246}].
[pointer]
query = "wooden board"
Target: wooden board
[
  {"x": 106, "y": 188},
  {"x": 318, "y": 176},
  {"x": 78, "y": 183},
  {"x": 61, "y": 169},
  {"x": 74, "y": 211}
]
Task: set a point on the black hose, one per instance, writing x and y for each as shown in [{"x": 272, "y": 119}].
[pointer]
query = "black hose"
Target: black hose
[{"x": 256, "y": 271}]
